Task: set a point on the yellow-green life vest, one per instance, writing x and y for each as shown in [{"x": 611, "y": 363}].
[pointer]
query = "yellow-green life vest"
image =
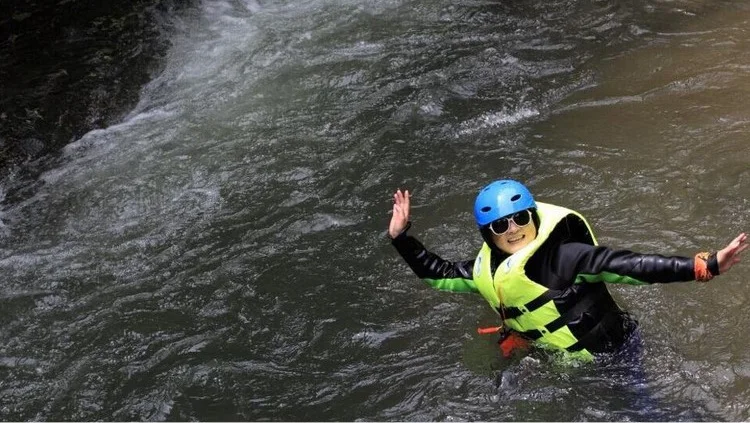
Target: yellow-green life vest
[{"x": 511, "y": 288}]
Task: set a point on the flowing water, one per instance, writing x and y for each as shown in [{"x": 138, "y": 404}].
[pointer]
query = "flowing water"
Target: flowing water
[{"x": 221, "y": 253}]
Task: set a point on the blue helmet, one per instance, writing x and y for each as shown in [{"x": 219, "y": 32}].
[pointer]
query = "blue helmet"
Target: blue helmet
[{"x": 500, "y": 199}]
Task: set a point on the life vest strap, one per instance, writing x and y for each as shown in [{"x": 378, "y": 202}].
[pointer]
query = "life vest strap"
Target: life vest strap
[
  {"x": 544, "y": 298},
  {"x": 587, "y": 301}
]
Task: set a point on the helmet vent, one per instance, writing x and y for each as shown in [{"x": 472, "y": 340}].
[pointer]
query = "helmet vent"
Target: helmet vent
[
  {"x": 485, "y": 209},
  {"x": 515, "y": 197}
]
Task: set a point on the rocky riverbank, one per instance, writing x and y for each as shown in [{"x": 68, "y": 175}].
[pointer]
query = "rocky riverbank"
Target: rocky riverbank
[{"x": 70, "y": 66}]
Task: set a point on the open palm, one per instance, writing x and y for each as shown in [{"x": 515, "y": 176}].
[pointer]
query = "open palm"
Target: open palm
[
  {"x": 730, "y": 255},
  {"x": 400, "y": 217}
]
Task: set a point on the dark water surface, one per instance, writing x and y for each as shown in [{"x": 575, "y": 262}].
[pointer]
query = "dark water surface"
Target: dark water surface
[{"x": 220, "y": 253}]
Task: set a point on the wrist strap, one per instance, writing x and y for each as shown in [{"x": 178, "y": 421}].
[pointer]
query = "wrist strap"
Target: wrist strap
[{"x": 705, "y": 265}]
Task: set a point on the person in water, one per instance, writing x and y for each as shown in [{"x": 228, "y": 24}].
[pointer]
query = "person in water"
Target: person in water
[{"x": 541, "y": 270}]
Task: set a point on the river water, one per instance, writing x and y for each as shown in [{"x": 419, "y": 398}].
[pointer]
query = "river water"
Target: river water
[{"x": 220, "y": 254}]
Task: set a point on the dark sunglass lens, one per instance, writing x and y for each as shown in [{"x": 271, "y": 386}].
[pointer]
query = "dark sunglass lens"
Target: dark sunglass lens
[
  {"x": 499, "y": 226},
  {"x": 522, "y": 218}
]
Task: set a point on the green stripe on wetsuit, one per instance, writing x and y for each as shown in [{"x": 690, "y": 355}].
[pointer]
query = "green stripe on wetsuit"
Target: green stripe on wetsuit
[{"x": 452, "y": 284}]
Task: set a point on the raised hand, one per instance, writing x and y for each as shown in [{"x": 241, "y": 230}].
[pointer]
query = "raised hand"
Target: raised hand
[
  {"x": 400, "y": 213},
  {"x": 730, "y": 255}
]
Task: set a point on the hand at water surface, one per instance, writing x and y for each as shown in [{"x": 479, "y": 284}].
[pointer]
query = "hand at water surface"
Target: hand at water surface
[
  {"x": 730, "y": 255},
  {"x": 400, "y": 217}
]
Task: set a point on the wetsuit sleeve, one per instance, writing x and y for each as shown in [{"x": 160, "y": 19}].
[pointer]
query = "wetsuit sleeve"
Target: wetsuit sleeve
[
  {"x": 601, "y": 264},
  {"x": 438, "y": 273}
]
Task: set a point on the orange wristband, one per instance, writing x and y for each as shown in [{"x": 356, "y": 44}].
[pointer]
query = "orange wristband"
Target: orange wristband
[{"x": 702, "y": 274}]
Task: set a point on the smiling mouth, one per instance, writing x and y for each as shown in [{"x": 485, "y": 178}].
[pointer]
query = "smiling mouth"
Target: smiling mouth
[{"x": 514, "y": 240}]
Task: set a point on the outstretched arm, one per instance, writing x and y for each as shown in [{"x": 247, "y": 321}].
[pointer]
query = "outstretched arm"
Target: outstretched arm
[
  {"x": 601, "y": 264},
  {"x": 439, "y": 273}
]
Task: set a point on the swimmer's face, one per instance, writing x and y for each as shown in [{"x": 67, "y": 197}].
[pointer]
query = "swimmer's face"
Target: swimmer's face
[{"x": 512, "y": 233}]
